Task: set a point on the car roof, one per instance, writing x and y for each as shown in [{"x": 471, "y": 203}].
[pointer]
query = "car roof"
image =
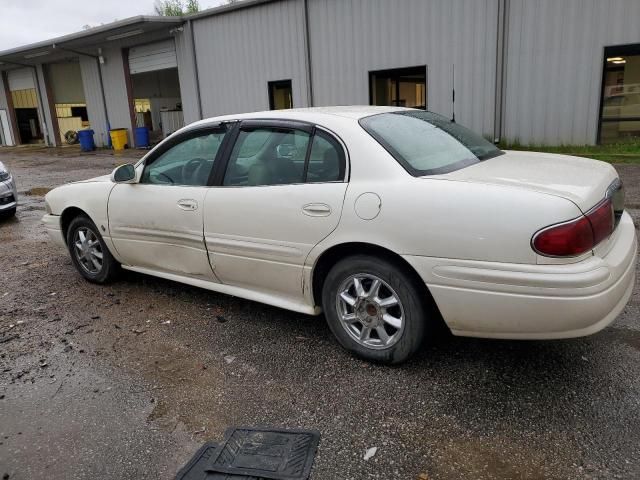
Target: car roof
[{"x": 312, "y": 114}]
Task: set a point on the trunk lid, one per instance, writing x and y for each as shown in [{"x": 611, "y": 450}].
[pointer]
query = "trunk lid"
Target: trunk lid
[{"x": 581, "y": 180}]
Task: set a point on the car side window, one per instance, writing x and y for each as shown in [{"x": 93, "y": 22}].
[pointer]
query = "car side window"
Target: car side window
[
  {"x": 267, "y": 156},
  {"x": 188, "y": 163},
  {"x": 326, "y": 160}
]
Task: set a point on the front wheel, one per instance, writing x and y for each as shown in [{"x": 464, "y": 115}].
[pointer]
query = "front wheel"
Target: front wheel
[
  {"x": 89, "y": 253},
  {"x": 375, "y": 309}
]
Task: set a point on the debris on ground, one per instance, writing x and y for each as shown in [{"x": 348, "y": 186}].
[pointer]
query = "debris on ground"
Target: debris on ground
[
  {"x": 370, "y": 453},
  {"x": 229, "y": 358}
]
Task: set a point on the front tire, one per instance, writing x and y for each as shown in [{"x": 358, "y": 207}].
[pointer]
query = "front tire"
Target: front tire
[
  {"x": 375, "y": 309},
  {"x": 89, "y": 253},
  {"x": 8, "y": 213}
]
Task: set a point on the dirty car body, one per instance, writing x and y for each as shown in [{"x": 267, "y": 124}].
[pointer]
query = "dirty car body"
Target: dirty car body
[
  {"x": 8, "y": 193},
  {"x": 390, "y": 220}
]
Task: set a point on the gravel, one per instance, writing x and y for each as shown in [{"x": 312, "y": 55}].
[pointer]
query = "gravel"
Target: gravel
[{"x": 128, "y": 380}]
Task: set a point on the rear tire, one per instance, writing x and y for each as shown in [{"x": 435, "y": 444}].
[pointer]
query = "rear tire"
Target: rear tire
[
  {"x": 89, "y": 253},
  {"x": 375, "y": 309}
]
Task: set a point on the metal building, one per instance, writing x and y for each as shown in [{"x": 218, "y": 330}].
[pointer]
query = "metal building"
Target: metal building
[{"x": 527, "y": 71}]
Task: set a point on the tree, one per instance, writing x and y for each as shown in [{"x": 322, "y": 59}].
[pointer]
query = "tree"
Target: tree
[{"x": 176, "y": 8}]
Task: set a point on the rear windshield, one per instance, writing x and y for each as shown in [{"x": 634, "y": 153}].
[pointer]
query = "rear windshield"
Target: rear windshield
[{"x": 426, "y": 143}]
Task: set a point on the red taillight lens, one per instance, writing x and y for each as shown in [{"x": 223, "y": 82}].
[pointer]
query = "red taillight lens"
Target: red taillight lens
[
  {"x": 565, "y": 240},
  {"x": 602, "y": 221},
  {"x": 576, "y": 237}
]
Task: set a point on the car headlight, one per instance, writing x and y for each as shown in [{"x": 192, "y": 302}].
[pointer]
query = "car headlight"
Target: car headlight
[{"x": 4, "y": 173}]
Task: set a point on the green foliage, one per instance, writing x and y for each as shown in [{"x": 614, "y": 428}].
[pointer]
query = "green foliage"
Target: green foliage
[
  {"x": 627, "y": 151},
  {"x": 176, "y": 8}
]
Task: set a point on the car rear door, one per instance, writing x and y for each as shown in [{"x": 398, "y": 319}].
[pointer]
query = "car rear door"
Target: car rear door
[
  {"x": 157, "y": 222},
  {"x": 279, "y": 194}
]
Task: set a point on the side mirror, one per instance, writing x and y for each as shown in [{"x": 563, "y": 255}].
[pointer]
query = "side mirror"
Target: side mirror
[{"x": 124, "y": 174}]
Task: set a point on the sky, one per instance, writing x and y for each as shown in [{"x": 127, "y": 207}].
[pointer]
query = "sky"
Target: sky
[{"x": 28, "y": 21}]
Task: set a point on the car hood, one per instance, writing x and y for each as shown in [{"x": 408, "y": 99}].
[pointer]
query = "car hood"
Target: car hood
[
  {"x": 102, "y": 178},
  {"x": 581, "y": 180}
]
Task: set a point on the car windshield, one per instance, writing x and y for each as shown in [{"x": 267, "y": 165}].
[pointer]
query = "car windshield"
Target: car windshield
[{"x": 426, "y": 143}]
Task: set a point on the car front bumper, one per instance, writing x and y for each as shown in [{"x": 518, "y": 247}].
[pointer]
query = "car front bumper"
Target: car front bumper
[
  {"x": 8, "y": 195},
  {"x": 54, "y": 229},
  {"x": 493, "y": 300}
]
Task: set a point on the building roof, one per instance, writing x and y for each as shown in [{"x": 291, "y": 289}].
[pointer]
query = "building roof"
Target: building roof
[{"x": 102, "y": 35}]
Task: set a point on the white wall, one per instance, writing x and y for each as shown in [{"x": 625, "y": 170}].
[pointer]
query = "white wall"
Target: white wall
[
  {"x": 240, "y": 52},
  {"x": 554, "y": 66},
  {"x": 350, "y": 38},
  {"x": 95, "y": 104}
]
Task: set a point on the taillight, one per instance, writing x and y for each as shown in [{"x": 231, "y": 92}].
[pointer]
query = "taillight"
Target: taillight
[{"x": 573, "y": 238}]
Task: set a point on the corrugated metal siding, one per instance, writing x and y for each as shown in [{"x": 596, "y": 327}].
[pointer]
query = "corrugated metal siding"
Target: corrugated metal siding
[
  {"x": 350, "y": 38},
  {"x": 93, "y": 97},
  {"x": 187, "y": 76},
  {"x": 44, "y": 112},
  {"x": 152, "y": 57},
  {"x": 554, "y": 66},
  {"x": 239, "y": 52},
  {"x": 116, "y": 90}
]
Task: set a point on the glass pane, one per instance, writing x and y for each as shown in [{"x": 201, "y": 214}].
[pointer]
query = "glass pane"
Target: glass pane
[
  {"x": 621, "y": 102},
  {"x": 402, "y": 87},
  {"x": 187, "y": 163},
  {"x": 325, "y": 160},
  {"x": 280, "y": 95},
  {"x": 427, "y": 143},
  {"x": 267, "y": 157}
]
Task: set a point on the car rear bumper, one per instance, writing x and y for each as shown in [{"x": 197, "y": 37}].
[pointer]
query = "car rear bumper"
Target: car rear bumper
[
  {"x": 493, "y": 300},
  {"x": 53, "y": 228}
]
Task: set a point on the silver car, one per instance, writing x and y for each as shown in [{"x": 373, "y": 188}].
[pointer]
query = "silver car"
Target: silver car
[{"x": 8, "y": 193}]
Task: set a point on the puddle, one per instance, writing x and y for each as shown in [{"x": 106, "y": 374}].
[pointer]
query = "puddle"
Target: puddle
[{"x": 37, "y": 191}]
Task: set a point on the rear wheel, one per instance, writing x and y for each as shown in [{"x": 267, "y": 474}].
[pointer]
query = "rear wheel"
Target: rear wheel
[
  {"x": 89, "y": 253},
  {"x": 374, "y": 309}
]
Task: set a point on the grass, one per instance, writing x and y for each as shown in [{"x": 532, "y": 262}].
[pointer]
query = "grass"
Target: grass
[{"x": 624, "y": 152}]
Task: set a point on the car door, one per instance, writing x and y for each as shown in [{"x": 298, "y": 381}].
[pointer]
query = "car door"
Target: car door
[
  {"x": 156, "y": 223},
  {"x": 280, "y": 193}
]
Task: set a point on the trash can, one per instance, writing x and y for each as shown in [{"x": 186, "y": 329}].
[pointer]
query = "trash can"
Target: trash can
[
  {"x": 119, "y": 138},
  {"x": 142, "y": 137},
  {"x": 85, "y": 137}
]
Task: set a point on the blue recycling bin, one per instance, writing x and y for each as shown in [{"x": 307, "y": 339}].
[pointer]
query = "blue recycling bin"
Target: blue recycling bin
[
  {"x": 85, "y": 137},
  {"x": 142, "y": 137}
]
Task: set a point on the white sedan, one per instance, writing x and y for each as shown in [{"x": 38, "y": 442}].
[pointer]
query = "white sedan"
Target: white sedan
[{"x": 389, "y": 220}]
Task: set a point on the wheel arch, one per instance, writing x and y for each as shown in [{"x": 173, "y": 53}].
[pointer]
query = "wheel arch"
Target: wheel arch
[
  {"x": 340, "y": 251},
  {"x": 67, "y": 216}
]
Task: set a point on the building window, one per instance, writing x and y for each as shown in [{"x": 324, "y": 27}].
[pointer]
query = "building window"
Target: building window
[
  {"x": 400, "y": 87},
  {"x": 620, "y": 102},
  {"x": 280, "y": 95}
]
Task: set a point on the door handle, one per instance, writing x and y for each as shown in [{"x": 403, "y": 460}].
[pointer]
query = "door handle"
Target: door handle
[
  {"x": 187, "y": 204},
  {"x": 317, "y": 210}
]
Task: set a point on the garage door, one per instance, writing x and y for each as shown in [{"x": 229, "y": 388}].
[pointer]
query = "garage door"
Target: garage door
[
  {"x": 21, "y": 79},
  {"x": 152, "y": 57}
]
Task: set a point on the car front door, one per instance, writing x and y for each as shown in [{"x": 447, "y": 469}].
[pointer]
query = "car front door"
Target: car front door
[
  {"x": 156, "y": 223},
  {"x": 280, "y": 194}
]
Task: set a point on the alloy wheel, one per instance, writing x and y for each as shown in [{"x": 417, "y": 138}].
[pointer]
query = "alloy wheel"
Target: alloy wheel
[
  {"x": 370, "y": 311},
  {"x": 87, "y": 250}
]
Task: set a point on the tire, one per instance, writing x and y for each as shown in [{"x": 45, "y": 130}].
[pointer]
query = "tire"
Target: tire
[
  {"x": 85, "y": 256},
  {"x": 8, "y": 213},
  {"x": 404, "y": 322}
]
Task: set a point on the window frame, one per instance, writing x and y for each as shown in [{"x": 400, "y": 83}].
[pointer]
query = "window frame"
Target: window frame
[
  {"x": 280, "y": 124},
  {"x": 396, "y": 73},
  {"x": 183, "y": 137},
  {"x": 272, "y": 85}
]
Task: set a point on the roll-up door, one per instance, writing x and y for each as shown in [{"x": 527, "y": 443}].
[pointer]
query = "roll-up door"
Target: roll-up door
[
  {"x": 20, "y": 79},
  {"x": 152, "y": 57}
]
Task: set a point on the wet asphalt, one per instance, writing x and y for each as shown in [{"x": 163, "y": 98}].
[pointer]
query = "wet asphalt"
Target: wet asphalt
[{"x": 126, "y": 381}]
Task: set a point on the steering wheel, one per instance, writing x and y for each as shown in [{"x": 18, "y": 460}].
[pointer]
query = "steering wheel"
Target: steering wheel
[{"x": 191, "y": 170}]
